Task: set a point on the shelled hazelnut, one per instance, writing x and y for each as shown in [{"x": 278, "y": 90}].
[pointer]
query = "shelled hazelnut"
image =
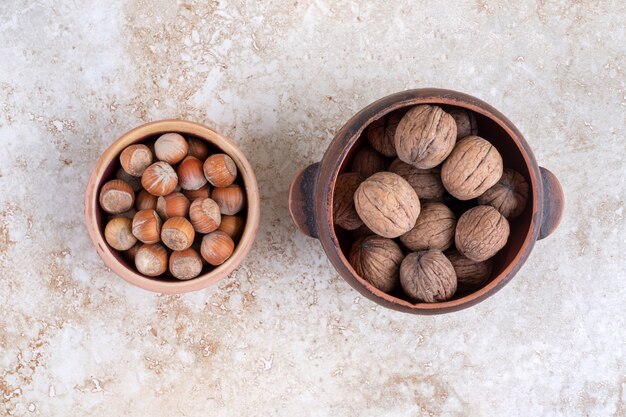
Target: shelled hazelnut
[
  {"x": 145, "y": 201},
  {"x": 147, "y": 226},
  {"x": 177, "y": 233},
  {"x": 151, "y": 259},
  {"x": 190, "y": 175},
  {"x": 202, "y": 192},
  {"x": 198, "y": 148},
  {"x": 205, "y": 215},
  {"x": 232, "y": 226},
  {"x": 119, "y": 233}
]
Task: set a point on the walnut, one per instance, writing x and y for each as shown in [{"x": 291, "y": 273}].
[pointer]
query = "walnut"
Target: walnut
[
  {"x": 428, "y": 276},
  {"x": 380, "y": 133},
  {"x": 368, "y": 162},
  {"x": 387, "y": 204},
  {"x": 434, "y": 229},
  {"x": 473, "y": 166},
  {"x": 470, "y": 275},
  {"x": 425, "y": 136},
  {"x": 426, "y": 182},
  {"x": 509, "y": 195},
  {"x": 481, "y": 232},
  {"x": 377, "y": 259},
  {"x": 344, "y": 213},
  {"x": 466, "y": 124}
]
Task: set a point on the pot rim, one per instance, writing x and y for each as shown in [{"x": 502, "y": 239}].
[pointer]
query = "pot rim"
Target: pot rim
[
  {"x": 112, "y": 258},
  {"x": 350, "y": 133}
]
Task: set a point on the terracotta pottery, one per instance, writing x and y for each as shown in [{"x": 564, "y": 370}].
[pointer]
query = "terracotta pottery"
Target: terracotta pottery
[
  {"x": 311, "y": 196},
  {"x": 104, "y": 170}
]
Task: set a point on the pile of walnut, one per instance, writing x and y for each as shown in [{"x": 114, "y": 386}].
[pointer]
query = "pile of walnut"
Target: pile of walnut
[
  {"x": 438, "y": 159},
  {"x": 164, "y": 210}
]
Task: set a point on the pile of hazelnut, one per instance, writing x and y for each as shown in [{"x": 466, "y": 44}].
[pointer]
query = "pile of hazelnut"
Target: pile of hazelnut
[
  {"x": 428, "y": 202},
  {"x": 173, "y": 206}
]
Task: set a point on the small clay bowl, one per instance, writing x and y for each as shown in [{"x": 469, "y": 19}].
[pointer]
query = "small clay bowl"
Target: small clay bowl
[
  {"x": 311, "y": 196},
  {"x": 104, "y": 170}
]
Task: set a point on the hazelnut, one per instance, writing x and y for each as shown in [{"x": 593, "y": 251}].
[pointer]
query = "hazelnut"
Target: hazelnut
[
  {"x": 151, "y": 259},
  {"x": 177, "y": 233},
  {"x": 434, "y": 229},
  {"x": 508, "y": 196},
  {"x": 216, "y": 247},
  {"x": 147, "y": 226},
  {"x": 220, "y": 170},
  {"x": 202, "y": 192},
  {"x": 198, "y": 148},
  {"x": 472, "y": 168},
  {"x": 119, "y": 234},
  {"x": 465, "y": 120},
  {"x": 134, "y": 182},
  {"x": 232, "y": 226},
  {"x": 377, "y": 260},
  {"x": 190, "y": 175},
  {"x": 481, "y": 232},
  {"x": 428, "y": 276},
  {"x": 145, "y": 201},
  {"x": 425, "y": 136},
  {"x": 470, "y": 275},
  {"x": 204, "y": 214},
  {"x": 368, "y": 162},
  {"x": 159, "y": 179},
  {"x": 116, "y": 196},
  {"x": 172, "y": 205},
  {"x": 426, "y": 182},
  {"x": 380, "y": 133},
  {"x": 344, "y": 213},
  {"x": 387, "y": 204},
  {"x": 135, "y": 159},
  {"x": 185, "y": 264},
  {"x": 231, "y": 199},
  {"x": 171, "y": 148}
]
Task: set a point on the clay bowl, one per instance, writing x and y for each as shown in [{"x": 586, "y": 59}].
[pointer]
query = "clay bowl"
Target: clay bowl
[
  {"x": 104, "y": 170},
  {"x": 311, "y": 196}
]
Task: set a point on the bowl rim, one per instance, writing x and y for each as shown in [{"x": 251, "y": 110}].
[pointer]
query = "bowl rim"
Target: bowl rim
[
  {"x": 183, "y": 127},
  {"x": 337, "y": 152}
]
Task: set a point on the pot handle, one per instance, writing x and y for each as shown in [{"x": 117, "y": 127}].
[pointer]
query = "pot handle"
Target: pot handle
[
  {"x": 553, "y": 202},
  {"x": 302, "y": 200}
]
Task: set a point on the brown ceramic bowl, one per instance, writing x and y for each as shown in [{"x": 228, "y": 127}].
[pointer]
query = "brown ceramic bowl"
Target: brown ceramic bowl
[
  {"x": 311, "y": 196},
  {"x": 104, "y": 170}
]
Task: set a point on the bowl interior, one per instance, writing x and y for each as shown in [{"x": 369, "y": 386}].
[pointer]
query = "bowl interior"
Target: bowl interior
[
  {"x": 513, "y": 157},
  {"x": 106, "y": 171}
]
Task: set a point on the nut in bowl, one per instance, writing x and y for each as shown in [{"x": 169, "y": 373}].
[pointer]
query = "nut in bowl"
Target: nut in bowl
[
  {"x": 450, "y": 220},
  {"x": 148, "y": 206}
]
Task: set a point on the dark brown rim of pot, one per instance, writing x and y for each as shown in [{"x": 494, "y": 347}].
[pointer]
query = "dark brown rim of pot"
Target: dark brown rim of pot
[{"x": 346, "y": 138}]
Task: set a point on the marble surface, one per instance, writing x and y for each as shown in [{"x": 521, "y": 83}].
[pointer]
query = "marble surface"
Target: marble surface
[{"x": 284, "y": 335}]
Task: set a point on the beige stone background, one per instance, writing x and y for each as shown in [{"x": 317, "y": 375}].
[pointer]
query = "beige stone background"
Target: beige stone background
[{"x": 284, "y": 335}]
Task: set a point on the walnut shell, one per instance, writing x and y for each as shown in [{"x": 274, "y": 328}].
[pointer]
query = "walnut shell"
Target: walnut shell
[
  {"x": 426, "y": 182},
  {"x": 470, "y": 275},
  {"x": 387, "y": 204},
  {"x": 509, "y": 195},
  {"x": 481, "y": 232},
  {"x": 367, "y": 162},
  {"x": 465, "y": 120},
  {"x": 380, "y": 133},
  {"x": 425, "y": 136},
  {"x": 428, "y": 276},
  {"x": 434, "y": 229},
  {"x": 344, "y": 213},
  {"x": 472, "y": 168},
  {"x": 377, "y": 260}
]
